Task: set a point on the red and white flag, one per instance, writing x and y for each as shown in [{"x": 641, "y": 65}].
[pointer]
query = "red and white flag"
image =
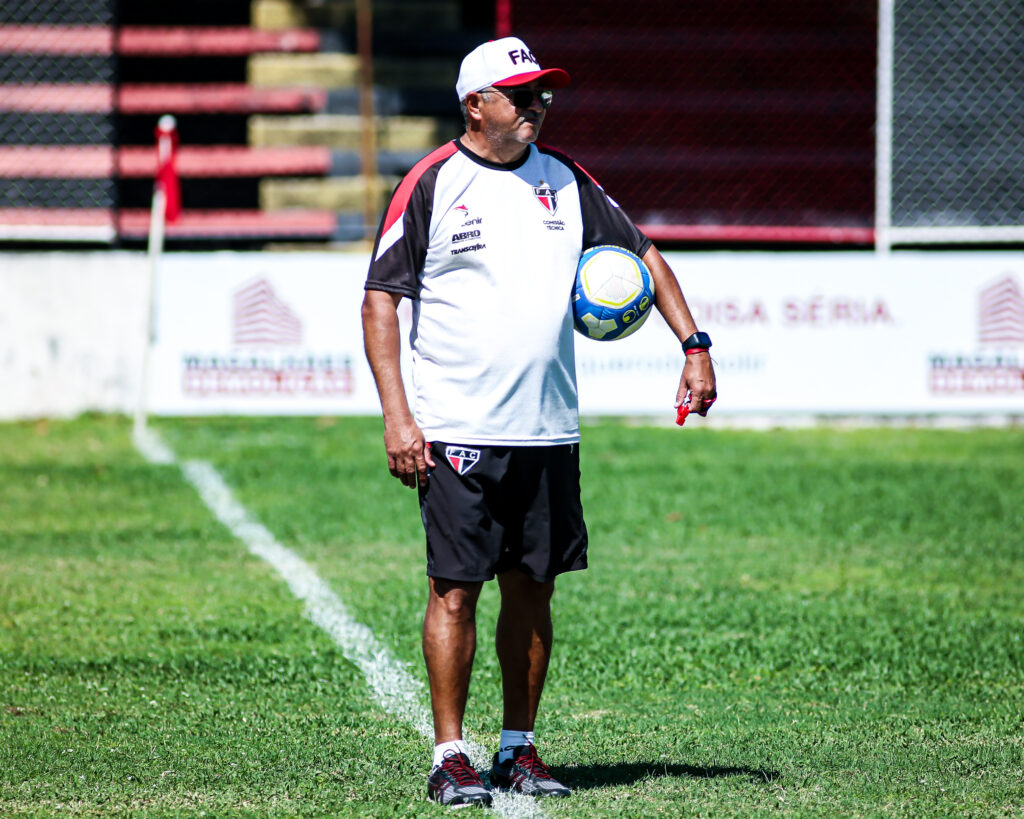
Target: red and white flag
[{"x": 166, "y": 166}]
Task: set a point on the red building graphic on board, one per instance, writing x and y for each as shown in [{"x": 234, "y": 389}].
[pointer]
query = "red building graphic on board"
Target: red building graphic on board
[
  {"x": 1001, "y": 313},
  {"x": 262, "y": 319}
]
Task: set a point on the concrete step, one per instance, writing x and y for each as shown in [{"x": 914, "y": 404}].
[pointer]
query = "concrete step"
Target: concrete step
[
  {"x": 422, "y": 102},
  {"x": 414, "y": 16},
  {"x": 336, "y": 70},
  {"x": 389, "y": 163},
  {"x": 308, "y": 70},
  {"x": 273, "y": 14},
  {"x": 342, "y": 132},
  {"x": 342, "y": 193},
  {"x": 432, "y": 72}
]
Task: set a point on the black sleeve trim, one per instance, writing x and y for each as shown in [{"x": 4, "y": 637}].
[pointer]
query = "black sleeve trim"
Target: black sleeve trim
[
  {"x": 390, "y": 287},
  {"x": 398, "y": 268},
  {"x": 603, "y": 222}
]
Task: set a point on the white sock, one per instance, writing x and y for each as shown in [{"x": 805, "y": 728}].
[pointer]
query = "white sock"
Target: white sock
[
  {"x": 510, "y": 740},
  {"x": 457, "y": 746}
]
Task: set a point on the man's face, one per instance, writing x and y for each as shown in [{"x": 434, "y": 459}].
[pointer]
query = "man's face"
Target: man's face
[{"x": 505, "y": 121}]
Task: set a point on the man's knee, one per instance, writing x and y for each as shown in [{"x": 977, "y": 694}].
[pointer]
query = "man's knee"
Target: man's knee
[
  {"x": 453, "y": 598},
  {"x": 517, "y": 586}
]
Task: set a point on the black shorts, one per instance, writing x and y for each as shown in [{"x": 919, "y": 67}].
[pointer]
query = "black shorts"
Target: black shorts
[{"x": 490, "y": 509}]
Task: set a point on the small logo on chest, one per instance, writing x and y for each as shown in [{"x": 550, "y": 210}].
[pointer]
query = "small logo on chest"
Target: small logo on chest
[
  {"x": 462, "y": 459},
  {"x": 462, "y": 212},
  {"x": 547, "y": 196}
]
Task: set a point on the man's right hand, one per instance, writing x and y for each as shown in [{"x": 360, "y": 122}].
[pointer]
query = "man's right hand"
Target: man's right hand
[{"x": 408, "y": 453}]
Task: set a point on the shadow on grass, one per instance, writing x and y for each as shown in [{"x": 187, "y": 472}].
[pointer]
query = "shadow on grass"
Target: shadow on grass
[{"x": 584, "y": 777}]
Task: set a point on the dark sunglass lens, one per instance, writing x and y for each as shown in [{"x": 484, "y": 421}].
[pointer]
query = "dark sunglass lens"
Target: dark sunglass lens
[{"x": 524, "y": 99}]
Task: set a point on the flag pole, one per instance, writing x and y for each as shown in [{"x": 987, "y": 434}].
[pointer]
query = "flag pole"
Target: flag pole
[
  {"x": 367, "y": 118},
  {"x": 166, "y": 207}
]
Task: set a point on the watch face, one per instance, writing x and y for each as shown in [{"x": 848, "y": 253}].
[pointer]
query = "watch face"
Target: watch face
[{"x": 698, "y": 339}]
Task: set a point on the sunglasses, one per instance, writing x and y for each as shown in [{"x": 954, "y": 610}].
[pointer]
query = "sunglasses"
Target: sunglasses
[{"x": 524, "y": 97}]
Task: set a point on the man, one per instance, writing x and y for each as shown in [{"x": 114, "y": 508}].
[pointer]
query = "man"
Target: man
[{"x": 493, "y": 446}]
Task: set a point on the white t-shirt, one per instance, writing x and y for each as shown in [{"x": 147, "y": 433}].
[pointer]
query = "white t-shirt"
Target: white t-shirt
[{"x": 489, "y": 252}]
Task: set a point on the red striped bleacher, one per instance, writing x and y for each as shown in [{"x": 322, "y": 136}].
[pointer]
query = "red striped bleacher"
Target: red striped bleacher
[
  {"x": 57, "y": 224},
  {"x": 55, "y": 216},
  {"x": 230, "y": 160},
  {"x": 237, "y": 224},
  {"x": 191, "y": 41},
  {"x": 217, "y": 98},
  {"x": 154, "y": 41},
  {"x": 76, "y": 40},
  {"x": 60, "y": 99},
  {"x": 57, "y": 161},
  {"x": 92, "y": 224},
  {"x": 158, "y": 98},
  {"x": 97, "y": 224},
  {"x": 758, "y": 234},
  {"x": 98, "y": 161}
]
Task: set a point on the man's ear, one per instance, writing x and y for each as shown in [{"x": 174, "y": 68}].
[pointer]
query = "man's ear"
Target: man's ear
[{"x": 473, "y": 101}]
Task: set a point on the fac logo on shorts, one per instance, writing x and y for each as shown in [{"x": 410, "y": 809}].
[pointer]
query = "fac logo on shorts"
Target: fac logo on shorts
[{"x": 462, "y": 459}]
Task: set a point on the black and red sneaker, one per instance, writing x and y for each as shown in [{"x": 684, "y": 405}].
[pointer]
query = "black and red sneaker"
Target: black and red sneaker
[
  {"x": 526, "y": 773},
  {"x": 456, "y": 783}
]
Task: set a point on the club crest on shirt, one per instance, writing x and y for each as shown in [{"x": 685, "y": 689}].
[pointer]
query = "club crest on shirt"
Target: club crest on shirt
[
  {"x": 462, "y": 459},
  {"x": 547, "y": 196}
]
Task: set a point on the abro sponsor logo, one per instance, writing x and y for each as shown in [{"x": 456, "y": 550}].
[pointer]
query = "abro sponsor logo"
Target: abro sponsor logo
[{"x": 465, "y": 236}]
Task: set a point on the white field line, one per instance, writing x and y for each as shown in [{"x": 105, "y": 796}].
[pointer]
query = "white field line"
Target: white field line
[{"x": 391, "y": 685}]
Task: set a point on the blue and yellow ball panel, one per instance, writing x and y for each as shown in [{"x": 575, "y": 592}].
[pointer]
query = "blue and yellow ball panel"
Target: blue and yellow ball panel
[{"x": 613, "y": 294}]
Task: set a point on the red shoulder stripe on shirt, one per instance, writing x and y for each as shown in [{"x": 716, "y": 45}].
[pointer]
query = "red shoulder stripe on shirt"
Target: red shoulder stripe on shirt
[
  {"x": 568, "y": 160},
  {"x": 408, "y": 184}
]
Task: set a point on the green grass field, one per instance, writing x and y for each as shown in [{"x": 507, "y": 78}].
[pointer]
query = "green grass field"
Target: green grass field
[{"x": 802, "y": 623}]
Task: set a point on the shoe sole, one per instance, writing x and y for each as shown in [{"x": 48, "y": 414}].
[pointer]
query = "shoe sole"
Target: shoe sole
[
  {"x": 461, "y": 803},
  {"x": 536, "y": 795}
]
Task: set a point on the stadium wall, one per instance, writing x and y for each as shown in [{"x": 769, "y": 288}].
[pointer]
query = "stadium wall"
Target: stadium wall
[
  {"x": 71, "y": 327},
  {"x": 796, "y": 335}
]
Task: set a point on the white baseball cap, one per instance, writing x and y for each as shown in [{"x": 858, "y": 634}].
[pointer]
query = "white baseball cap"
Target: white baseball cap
[{"x": 502, "y": 63}]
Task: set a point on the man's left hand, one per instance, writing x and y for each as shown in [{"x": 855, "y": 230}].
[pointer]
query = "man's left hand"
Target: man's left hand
[{"x": 699, "y": 379}]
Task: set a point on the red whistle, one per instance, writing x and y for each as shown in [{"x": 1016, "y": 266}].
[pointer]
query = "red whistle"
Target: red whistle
[{"x": 684, "y": 410}]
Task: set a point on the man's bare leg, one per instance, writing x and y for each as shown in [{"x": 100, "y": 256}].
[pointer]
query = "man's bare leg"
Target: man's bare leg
[
  {"x": 523, "y": 641},
  {"x": 449, "y": 643},
  {"x": 524, "y": 647}
]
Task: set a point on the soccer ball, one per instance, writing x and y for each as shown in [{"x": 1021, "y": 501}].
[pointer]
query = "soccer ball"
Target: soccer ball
[{"x": 613, "y": 295}]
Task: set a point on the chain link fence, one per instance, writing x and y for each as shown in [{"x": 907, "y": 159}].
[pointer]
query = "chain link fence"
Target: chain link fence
[
  {"x": 734, "y": 113},
  {"x": 733, "y": 120},
  {"x": 957, "y": 116},
  {"x": 57, "y": 119}
]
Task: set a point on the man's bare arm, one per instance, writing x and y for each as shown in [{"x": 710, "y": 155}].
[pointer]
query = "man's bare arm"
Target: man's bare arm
[
  {"x": 407, "y": 451},
  {"x": 698, "y": 372}
]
